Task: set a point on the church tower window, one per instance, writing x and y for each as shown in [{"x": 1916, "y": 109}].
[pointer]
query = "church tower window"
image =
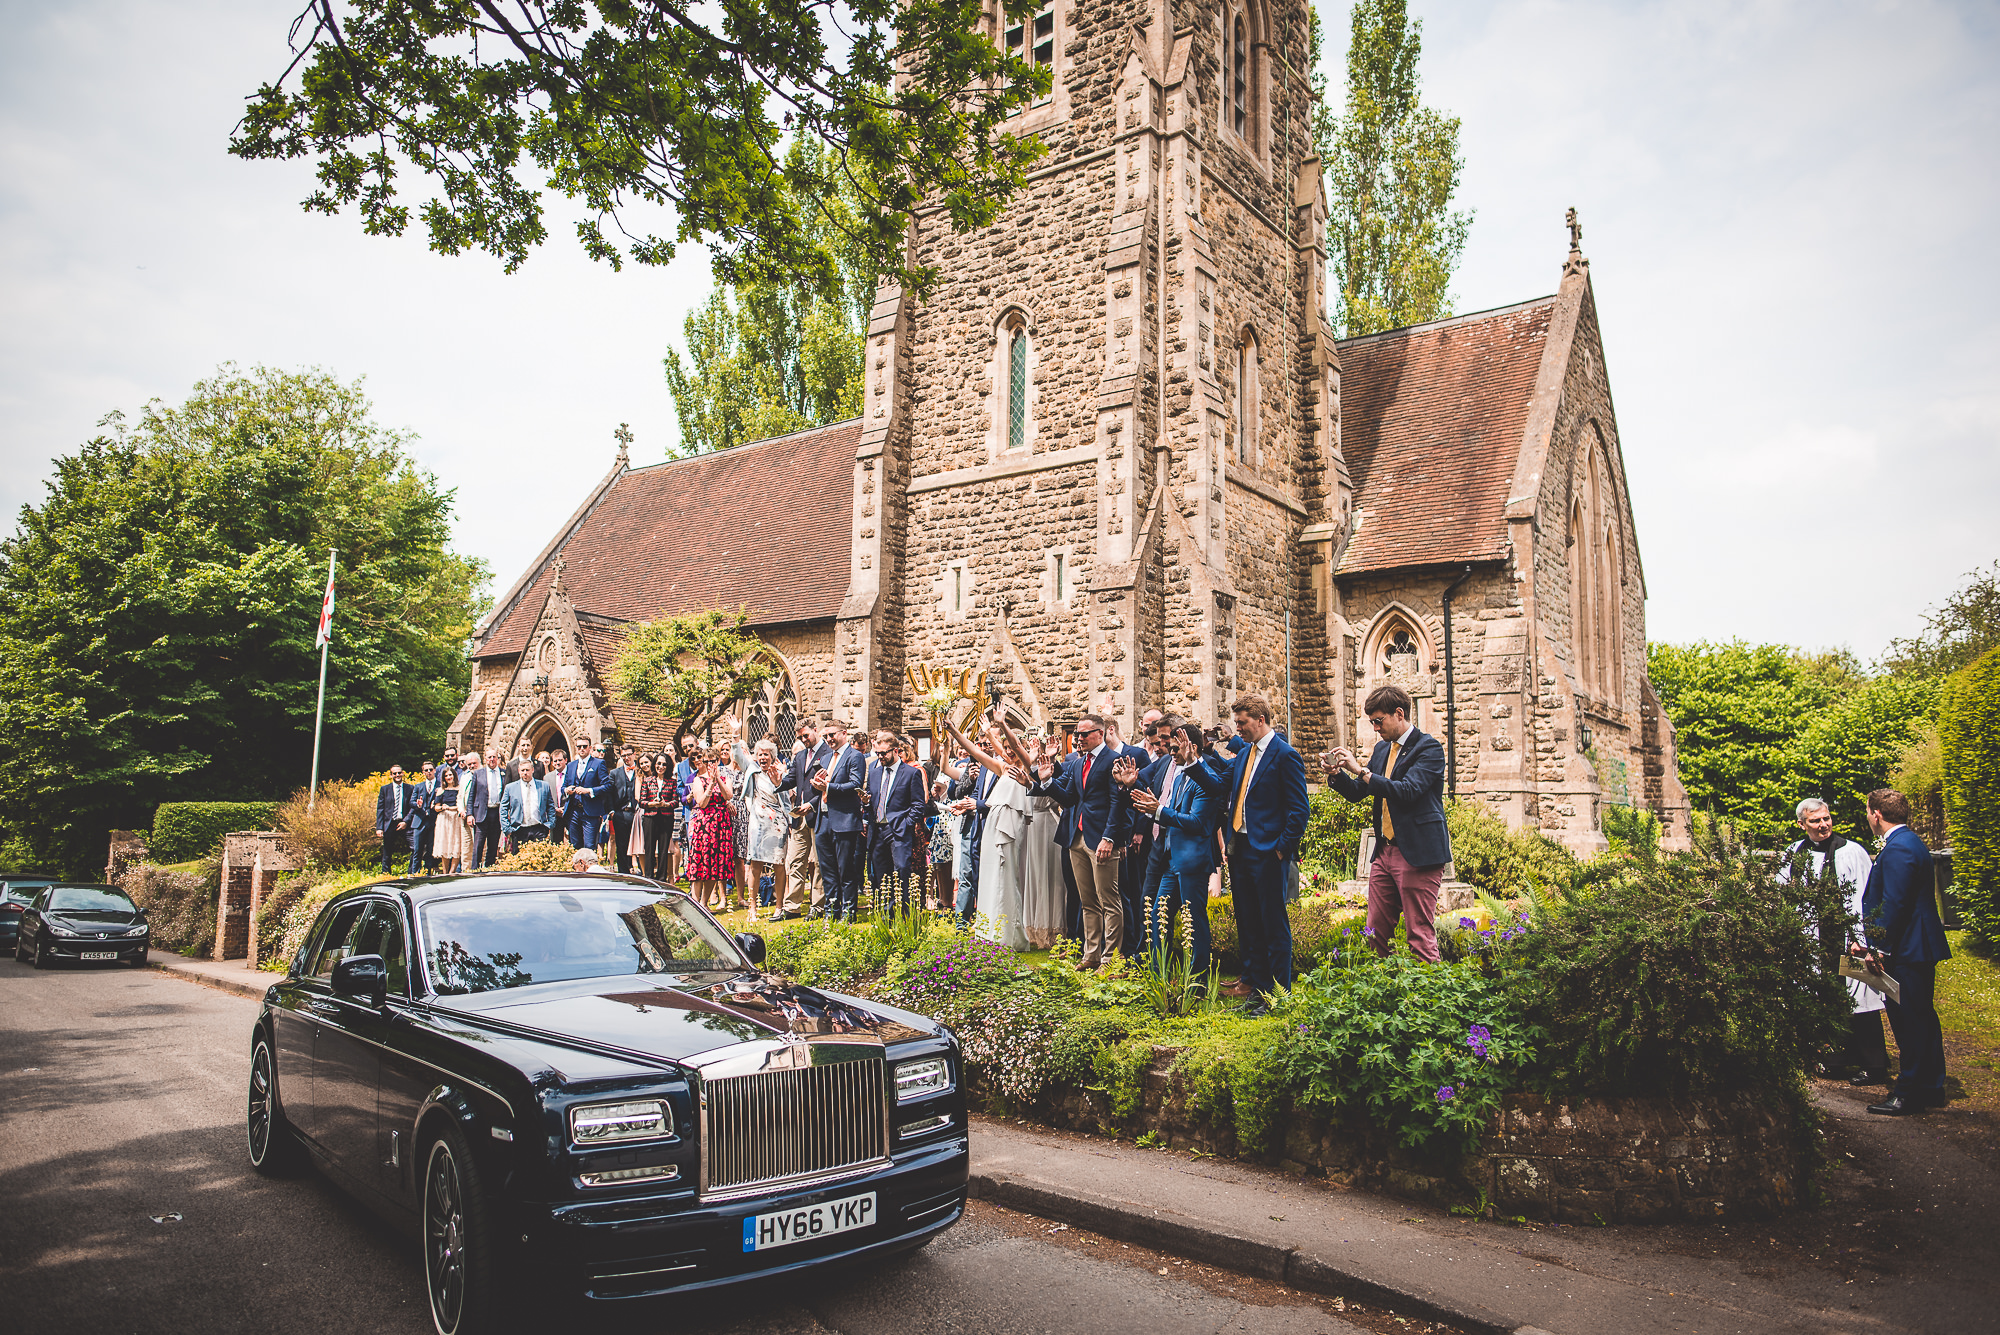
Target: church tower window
[
  {"x": 1247, "y": 398},
  {"x": 1239, "y": 77},
  {"x": 1017, "y": 388},
  {"x": 1035, "y": 40}
]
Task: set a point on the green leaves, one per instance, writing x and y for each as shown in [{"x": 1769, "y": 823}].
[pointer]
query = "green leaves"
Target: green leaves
[
  {"x": 1969, "y": 732},
  {"x": 1759, "y": 727},
  {"x": 1393, "y": 168},
  {"x": 632, "y": 105},
  {"x": 692, "y": 668},
  {"x": 157, "y": 611}
]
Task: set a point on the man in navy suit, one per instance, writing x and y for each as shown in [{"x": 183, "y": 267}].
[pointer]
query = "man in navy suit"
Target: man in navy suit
[
  {"x": 895, "y": 814},
  {"x": 1906, "y": 939},
  {"x": 839, "y": 787},
  {"x": 1267, "y": 812},
  {"x": 803, "y": 888},
  {"x": 395, "y": 815},
  {"x": 486, "y": 790},
  {"x": 1138, "y": 846},
  {"x": 1183, "y": 796},
  {"x": 1094, "y": 830},
  {"x": 585, "y": 781},
  {"x": 1405, "y": 777}
]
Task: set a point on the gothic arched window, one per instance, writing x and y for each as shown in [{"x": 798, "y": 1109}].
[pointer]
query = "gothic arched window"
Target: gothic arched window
[
  {"x": 1035, "y": 39},
  {"x": 773, "y": 711},
  {"x": 1017, "y": 387}
]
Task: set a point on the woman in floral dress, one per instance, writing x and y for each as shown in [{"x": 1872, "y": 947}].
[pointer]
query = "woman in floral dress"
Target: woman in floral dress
[{"x": 711, "y": 859}]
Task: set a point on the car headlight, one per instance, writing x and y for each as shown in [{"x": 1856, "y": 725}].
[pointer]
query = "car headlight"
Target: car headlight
[
  {"x": 610, "y": 1123},
  {"x": 61, "y": 929},
  {"x": 922, "y": 1078},
  {"x": 140, "y": 930}
]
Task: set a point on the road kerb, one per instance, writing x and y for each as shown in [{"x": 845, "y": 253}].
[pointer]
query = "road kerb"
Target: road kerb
[
  {"x": 1190, "y": 1238},
  {"x": 174, "y": 965}
]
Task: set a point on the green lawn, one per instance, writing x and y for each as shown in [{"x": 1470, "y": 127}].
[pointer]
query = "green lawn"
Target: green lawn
[{"x": 1968, "y": 991}]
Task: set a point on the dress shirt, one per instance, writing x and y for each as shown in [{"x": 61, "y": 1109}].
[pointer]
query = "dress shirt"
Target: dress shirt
[{"x": 1167, "y": 790}]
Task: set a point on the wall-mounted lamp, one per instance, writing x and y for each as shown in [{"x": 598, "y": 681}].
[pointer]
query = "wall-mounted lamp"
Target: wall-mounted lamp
[
  {"x": 540, "y": 682},
  {"x": 1583, "y": 734}
]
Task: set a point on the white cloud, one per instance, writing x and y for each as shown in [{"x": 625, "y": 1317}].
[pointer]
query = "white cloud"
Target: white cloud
[{"x": 1786, "y": 205}]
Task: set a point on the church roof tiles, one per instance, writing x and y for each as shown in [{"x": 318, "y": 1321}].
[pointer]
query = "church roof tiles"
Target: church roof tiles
[
  {"x": 1432, "y": 419},
  {"x": 764, "y": 526}
]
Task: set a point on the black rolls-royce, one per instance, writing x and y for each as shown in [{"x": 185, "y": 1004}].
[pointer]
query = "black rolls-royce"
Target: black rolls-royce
[{"x": 585, "y": 1082}]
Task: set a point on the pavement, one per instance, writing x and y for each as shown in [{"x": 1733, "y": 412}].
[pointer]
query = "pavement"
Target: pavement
[
  {"x": 1903, "y": 1241},
  {"x": 226, "y": 975}
]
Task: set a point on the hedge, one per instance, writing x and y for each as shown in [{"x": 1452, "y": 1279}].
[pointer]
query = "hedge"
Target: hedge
[
  {"x": 1969, "y": 734},
  {"x": 184, "y": 830}
]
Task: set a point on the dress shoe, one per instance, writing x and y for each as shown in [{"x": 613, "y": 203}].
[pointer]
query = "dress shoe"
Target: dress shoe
[
  {"x": 1256, "y": 1010},
  {"x": 1860, "y": 1078},
  {"x": 1896, "y": 1105},
  {"x": 780, "y": 917},
  {"x": 1237, "y": 989}
]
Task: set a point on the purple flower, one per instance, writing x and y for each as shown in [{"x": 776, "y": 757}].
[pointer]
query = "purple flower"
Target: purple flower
[
  {"x": 1446, "y": 1093},
  {"x": 1467, "y": 922}
]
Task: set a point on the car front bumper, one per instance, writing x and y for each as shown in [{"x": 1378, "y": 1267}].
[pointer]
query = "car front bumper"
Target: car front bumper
[
  {"x": 122, "y": 949},
  {"x": 648, "y": 1246}
]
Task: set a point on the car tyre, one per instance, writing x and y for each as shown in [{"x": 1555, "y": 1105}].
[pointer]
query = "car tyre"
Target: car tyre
[
  {"x": 274, "y": 1150},
  {"x": 460, "y": 1239},
  {"x": 139, "y": 960},
  {"x": 42, "y": 960}
]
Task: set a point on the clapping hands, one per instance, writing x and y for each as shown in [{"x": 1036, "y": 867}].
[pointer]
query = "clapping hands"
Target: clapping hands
[{"x": 1125, "y": 771}]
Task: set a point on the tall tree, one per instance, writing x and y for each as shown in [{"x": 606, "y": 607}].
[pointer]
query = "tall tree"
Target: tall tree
[
  {"x": 157, "y": 611},
  {"x": 1393, "y": 168},
  {"x": 766, "y": 356},
  {"x": 692, "y": 668},
  {"x": 1956, "y": 632},
  {"x": 633, "y": 104}
]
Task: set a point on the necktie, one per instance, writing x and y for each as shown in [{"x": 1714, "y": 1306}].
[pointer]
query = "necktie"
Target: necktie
[
  {"x": 399, "y": 801},
  {"x": 1243, "y": 790},
  {"x": 1081, "y": 782},
  {"x": 1389, "y": 772},
  {"x": 882, "y": 798}
]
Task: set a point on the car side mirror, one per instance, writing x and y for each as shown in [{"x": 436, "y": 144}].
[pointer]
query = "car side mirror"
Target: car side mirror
[
  {"x": 363, "y": 976},
  {"x": 752, "y": 946}
]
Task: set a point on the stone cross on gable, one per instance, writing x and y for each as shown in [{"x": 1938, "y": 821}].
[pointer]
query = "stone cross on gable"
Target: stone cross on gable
[
  {"x": 555, "y": 584},
  {"x": 1575, "y": 230},
  {"x": 623, "y": 435}
]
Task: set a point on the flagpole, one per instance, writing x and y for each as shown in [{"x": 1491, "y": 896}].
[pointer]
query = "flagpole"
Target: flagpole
[{"x": 319, "y": 712}]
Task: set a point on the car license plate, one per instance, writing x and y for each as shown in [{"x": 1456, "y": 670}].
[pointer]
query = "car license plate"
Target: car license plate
[
  {"x": 761, "y": 1232},
  {"x": 100, "y": 954}
]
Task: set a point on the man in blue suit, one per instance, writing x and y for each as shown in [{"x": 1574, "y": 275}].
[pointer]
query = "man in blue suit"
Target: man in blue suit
[
  {"x": 585, "y": 781},
  {"x": 1267, "y": 812},
  {"x": 1405, "y": 778},
  {"x": 895, "y": 815},
  {"x": 804, "y": 891},
  {"x": 1906, "y": 939},
  {"x": 839, "y": 786},
  {"x": 1183, "y": 795},
  {"x": 395, "y": 816},
  {"x": 1094, "y": 831}
]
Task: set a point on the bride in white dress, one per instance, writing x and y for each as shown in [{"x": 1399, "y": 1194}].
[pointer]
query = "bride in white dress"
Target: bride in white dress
[{"x": 1002, "y": 843}]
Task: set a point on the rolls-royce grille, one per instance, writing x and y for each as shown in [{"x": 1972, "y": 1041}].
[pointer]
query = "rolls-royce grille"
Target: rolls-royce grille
[{"x": 776, "y": 1126}]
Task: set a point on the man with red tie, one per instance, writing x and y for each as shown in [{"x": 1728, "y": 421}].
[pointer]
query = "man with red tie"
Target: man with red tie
[{"x": 1094, "y": 830}]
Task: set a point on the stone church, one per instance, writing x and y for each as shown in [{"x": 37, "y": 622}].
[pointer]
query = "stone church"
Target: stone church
[{"x": 1118, "y": 456}]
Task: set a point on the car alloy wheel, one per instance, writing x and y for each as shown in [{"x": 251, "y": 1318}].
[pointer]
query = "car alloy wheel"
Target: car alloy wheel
[
  {"x": 41, "y": 953},
  {"x": 273, "y": 1151},
  {"x": 459, "y": 1270}
]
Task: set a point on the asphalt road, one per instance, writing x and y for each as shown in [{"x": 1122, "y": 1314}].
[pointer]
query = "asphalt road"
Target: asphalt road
[{"x": 127, "y": 1204}]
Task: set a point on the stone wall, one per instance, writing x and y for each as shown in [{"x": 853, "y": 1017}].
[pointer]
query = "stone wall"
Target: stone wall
[{"x": 1577, "y": 1161}]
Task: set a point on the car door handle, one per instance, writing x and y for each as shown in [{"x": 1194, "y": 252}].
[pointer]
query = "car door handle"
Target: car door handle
[{"x": 323, "y": 1007}]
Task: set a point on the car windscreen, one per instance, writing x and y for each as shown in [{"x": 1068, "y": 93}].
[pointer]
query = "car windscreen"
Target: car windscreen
[
  {"x": 88, "y": 898},
  {"x": 484, "y": 943}
]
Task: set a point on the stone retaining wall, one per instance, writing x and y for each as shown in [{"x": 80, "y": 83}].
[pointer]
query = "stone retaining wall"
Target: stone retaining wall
[{"x": 1578, "y": 1161}]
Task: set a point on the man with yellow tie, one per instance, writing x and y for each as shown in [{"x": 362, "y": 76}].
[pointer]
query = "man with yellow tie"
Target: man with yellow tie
[
  {"x": 1405, "y": 777},
  {"x": 1267, "y": 818}
]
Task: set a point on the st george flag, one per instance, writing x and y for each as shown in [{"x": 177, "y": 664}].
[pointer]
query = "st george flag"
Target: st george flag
[{"x": 325, "y": 614}]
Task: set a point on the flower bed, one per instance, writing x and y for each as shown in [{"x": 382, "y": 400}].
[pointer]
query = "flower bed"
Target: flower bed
[{"x": 1555, "y": 1064}]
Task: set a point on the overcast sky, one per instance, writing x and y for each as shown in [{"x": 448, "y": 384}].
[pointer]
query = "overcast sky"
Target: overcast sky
[{"x": 1789, "y": 210}]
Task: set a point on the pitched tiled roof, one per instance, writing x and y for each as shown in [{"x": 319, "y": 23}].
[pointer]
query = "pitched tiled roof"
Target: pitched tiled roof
[
  {"x": 1431, "y": 418},
  {"x": 765, "y": 526}
]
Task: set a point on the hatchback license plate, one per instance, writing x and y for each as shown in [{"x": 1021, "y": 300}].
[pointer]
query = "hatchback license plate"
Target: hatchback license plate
[
  {"x": 761, "y": 1232},
  {"x": 100, "y": 954}
]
